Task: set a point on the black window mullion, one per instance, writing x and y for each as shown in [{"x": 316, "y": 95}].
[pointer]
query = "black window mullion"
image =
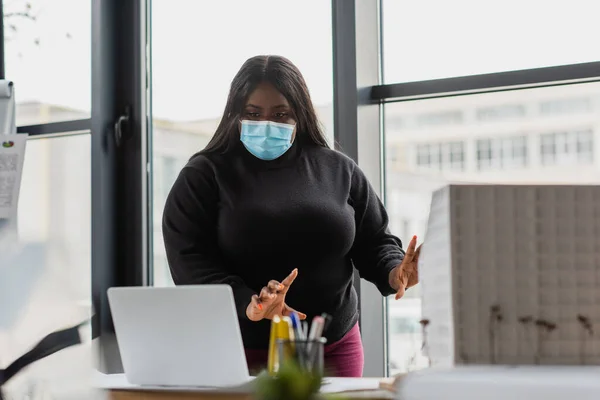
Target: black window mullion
[
  {"x": 492, "y": 82},
  {"x": 119, "y": 167},
  {"x": 2, "y": 66}
]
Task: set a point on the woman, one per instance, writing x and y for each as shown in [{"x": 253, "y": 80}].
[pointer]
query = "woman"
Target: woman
[{"x": 267, "y": 204}]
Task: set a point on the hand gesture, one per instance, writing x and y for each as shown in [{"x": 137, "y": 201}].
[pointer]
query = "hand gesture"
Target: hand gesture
[
  {"x": 406, "y": 274},
  {"x": 271, "y": 300}
]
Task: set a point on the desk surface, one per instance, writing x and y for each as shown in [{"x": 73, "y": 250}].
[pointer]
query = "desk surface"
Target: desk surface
[
  {"x": 350, "y": 388},
  {"x": 208, "y": 395}
]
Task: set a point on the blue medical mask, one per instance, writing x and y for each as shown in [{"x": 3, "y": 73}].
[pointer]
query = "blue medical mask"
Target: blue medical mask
[{"x": 266, "y": 140}]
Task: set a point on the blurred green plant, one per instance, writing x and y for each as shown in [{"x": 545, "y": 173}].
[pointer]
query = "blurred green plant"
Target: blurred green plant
[{"x": 291, "y": 383}]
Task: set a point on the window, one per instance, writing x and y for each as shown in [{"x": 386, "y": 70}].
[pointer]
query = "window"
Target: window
[
  {"x": 548, "y": 149},
  {"x": 166, "y": 169},
  {"x": 440, "y": 156},
  {"x": 405, "y": 228},
  {"x": 567, "y": 148},
  {"x": 501, "y": 112},
  {"x": 457, "y": 155},
  {"x": 404, "y": 326},
  {"x": 585, "y": 146},
  {"x": 47, "y": 56},
  {"x": 405, "y": 335},
  {"x": 492, "y": 153},
  {"x": 424, "y": 155},
  {"x": 393, "y": 154},
  {"x": 565, "y": 106},
  {"x": 396, "y": 155},
  {"x": 500, "y": 153},
  {"x": 440, "y": 118},
  {"x": 45, "y": 273},
  {"x": 197, "y": 50},
  {"x": 430, "y": 39},
  {"x": 484, "y": 153}
]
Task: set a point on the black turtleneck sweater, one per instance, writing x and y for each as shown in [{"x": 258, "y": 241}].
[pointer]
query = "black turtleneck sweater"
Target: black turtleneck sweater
[{"x": 234, "y": 219}]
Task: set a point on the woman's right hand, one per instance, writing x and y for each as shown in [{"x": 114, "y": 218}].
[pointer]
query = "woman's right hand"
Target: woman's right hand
[{"x": 271, "y": 300}]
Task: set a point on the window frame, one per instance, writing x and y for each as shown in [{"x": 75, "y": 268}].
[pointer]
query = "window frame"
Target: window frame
[
  {"x": 356, "y": 65},
  {"x": 486, "y": 83},
  {"x": 121, "y": 196}
]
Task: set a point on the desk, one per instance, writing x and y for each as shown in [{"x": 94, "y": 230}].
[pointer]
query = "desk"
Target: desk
[
  {"x": 208, "y": 395},
  {"x": 348, "y": 388}
]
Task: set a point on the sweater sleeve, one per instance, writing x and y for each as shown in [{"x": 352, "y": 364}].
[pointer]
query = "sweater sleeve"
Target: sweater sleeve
[
  {"x": 190, "y": 234},
  {"x": 375, "y": 251}
]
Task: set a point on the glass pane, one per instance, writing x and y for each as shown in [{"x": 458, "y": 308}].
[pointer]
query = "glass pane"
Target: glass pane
[
  {"x": 196, "y": 52},
  {"x": 430, "y": 39},
  {"x": 45, "y": 273},
  {"x": 535, "y": 145},
  {"x": 47, "y": 56}
]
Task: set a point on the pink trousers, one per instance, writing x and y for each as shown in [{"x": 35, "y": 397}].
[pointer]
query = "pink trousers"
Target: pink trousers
[{"x": 344, "y": 358}]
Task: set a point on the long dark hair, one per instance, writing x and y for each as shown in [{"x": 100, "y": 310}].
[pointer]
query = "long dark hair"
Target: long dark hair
[{"x": 287, "y": 79}]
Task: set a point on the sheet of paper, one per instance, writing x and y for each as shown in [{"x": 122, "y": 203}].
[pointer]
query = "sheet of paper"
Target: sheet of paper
[
  {"x": 331, "y": 385},
  {"x": 119, "y": 382},
  {"x": 12, "y": 155},
  {"x": 341, "y": 385}
]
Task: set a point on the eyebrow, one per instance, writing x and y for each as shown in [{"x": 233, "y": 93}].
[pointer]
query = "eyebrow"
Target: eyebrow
[{"x": 260, "y": 108}]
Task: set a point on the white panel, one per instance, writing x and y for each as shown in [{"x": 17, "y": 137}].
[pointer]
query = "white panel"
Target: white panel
[
  {"x": 435, "y": 269},
  {"x": 528, "y": 254}
]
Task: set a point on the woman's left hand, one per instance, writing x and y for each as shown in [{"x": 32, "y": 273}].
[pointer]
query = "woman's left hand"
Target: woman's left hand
[{"x": 406, "y": 274}]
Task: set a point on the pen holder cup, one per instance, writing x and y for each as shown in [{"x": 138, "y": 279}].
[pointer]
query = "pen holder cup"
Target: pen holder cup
[{"x": 309, "y": 355}]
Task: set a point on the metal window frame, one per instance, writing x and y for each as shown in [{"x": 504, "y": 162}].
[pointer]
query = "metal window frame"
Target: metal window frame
[
  {"x": 57, "y": 128},
  {"x": 356, "y": 69},
  {"x": 2, "y": 66},
  {"x": 119, "y": 167},
  {"x": 492, "y": 82}
]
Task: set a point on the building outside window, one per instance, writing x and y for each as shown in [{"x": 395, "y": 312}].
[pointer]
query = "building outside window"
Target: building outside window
[
  {"x": 500, "y": 112},
  {"x": 567, "y": 148},
  {"x": 393, "y": 155},
  {"x": 585, "y": 146},
  {"x": 438, "y": 156},
  {"x": 440, "y": 118},
  {"x": 485, "y": 156},
  {"x": 564, "y": 106},
  {"x": 500, "y": 153}
]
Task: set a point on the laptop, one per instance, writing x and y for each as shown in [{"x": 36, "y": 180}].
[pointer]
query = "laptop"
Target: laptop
[{"x": 184, "y": 336}]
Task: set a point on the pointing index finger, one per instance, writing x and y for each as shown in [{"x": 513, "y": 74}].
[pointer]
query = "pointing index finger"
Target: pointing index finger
[
  {"x": 410, "y": 250},
  {"x": 289, "y": 279}
]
